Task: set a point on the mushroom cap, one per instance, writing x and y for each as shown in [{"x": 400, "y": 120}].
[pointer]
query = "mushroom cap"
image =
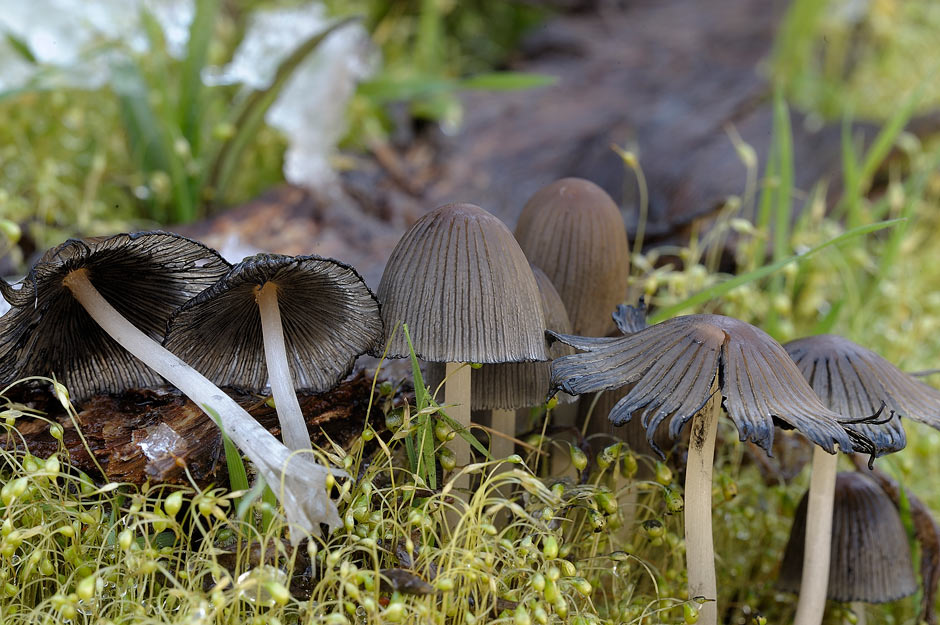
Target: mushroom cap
[
  {"x": 673, "y": 364},
  {"x": 145, "y": 276},
  {"x": 854, "y": 382},
  {"x": 574, "y": 231},
  {"x": 512, "y": 385},
  {"x": 329, "y": 316},
  {"x": 462, "y": 284},
  {"x": 871, "y": 557}
]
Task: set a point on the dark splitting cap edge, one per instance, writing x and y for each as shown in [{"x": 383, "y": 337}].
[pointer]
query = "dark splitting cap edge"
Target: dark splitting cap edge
[
  {"x": 113, "y": 369},
  {"x": 597, "y": 369},
  {"x": 266, "y": 266}
]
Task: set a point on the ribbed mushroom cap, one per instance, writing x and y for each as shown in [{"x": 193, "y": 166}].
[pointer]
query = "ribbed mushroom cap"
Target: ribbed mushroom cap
[
  {"x": 329, "y": 316},
  {"x": 462, "y": 284},
  {"x": 871, "y": 558},
  {"x": 508, "y": 386},
  {"x": 145, "y": 276},
  {"x": 854, "y": 382},
  {"x": 575, "y": 233},
  {"x": 673, "y": 364}
]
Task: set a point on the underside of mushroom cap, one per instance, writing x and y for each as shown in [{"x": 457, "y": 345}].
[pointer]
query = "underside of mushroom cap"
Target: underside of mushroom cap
[
  {"x": 672, "y": 365},
  {"x": 144, "y": 275},
  {"x": 329, "y": 317},
  {"x": 462, "y": 284},
  {"x": 871, "y": 558},
  {"x": 574, "y": 231},
  {"x": 512, "y": 385},
  {"x": 855, "y": 382}
]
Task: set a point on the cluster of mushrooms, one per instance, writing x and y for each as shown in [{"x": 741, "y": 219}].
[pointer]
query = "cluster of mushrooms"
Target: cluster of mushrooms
[{"x": 124, "y": 311}]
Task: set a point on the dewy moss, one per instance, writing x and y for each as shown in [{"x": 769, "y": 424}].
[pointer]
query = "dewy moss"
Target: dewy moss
[{"x": 86, "y": 302}]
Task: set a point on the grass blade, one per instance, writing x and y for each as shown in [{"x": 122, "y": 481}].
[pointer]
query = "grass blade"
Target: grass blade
[
  {"x": 237, "y": 476},
  {"x": 192, "y": 90},
  {"x": 424, "y": 451},
  {"x": 150, "y": 141},
  {"x": 507, "y": 81},
  {"x": 723, "y": 288}
]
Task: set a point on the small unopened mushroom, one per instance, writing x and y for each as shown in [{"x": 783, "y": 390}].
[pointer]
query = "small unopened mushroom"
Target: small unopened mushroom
[
  {"x": 575, "y": 233},
  {"x": 299, "y": 321},
  {"x": 86, "y": 302},
  {"x": 681, "y": 370},
  {"x": 461, "y": 283},
  {"x": 871, "y": 558},
  {"x": 855, "y": 382}
]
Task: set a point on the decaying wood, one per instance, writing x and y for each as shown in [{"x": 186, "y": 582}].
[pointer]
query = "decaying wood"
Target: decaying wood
[
  {"x": 925, "y": 529},
  {"x": 152, "y": 434}
]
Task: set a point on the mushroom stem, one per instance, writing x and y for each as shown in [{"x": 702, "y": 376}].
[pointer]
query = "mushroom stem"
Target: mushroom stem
[
  {"x": 302, "y": 490},
  {"x": 457, "y": 395},
  {"x": 700, "y": 550},
  {"x": 293, "y": 426},
  {"x": 815, "y": 580},
  {"x": 502, "y": 421}
]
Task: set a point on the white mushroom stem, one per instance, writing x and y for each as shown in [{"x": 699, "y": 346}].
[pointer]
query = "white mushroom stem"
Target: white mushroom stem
[
  {"x": 293, "y": 426},
  {"x": 302, "y": 489},
  {"x": 457, "y": 396},
  {"x": 699, "y": 548},
  {"x": 815, "y": 580},
  {"x": 503, "y": 421}
]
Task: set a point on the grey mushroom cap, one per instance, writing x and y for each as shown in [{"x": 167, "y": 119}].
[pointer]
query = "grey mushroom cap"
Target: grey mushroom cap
[
  {"x": 871, "y": 557},
  {"x": 672, "y": 365},
  {"x": 144, "y": 275},
  {"x": 574, "y": 231},
  {"x": 462, "y": 284},
  {"x": 855, "y": 381},
  {"x": 512, "y": 385},
  {"x": 329, "y": 316}
]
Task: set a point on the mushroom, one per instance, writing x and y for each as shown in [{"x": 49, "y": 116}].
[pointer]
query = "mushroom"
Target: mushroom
[
  {"x": 682, "y": 369},
  {"x": 300, "y": 321},
  {"x": 575, "y": 233},
  {"x": 871, "y": 558},
  {"x": 86, "y": 300},
  {"x": 461, "y": 283},
  {"x": 854, "y": 382},
  {"x": 629, "y": 320},
  {"x": 503, "y": 388}
]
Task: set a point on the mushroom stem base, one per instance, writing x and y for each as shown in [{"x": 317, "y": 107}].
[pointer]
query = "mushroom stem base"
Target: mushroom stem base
[
  {"x": 700, "y": 550},
  {"x": 815, "y": 580}
]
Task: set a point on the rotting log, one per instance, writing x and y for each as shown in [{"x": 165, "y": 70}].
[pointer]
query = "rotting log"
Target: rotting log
[{"x": 155, "y": 434}]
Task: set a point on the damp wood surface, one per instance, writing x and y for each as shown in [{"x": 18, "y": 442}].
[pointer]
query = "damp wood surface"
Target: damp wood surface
[{"x": 151, "y": 434}]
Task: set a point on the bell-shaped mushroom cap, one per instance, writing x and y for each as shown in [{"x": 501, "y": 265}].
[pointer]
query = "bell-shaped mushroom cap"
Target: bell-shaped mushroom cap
[
  {"x": 854, "y": 382},
  {"x": 511, "y": 385},
  {"x": 673, "y": 364},
  {"x": 871, "y": 558},
  {"x": 575, "y": 233},
  {"x": 329, "y": 316},
  {"x": 465, "y": 289},
  {"x": 145, "y": 276}
]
